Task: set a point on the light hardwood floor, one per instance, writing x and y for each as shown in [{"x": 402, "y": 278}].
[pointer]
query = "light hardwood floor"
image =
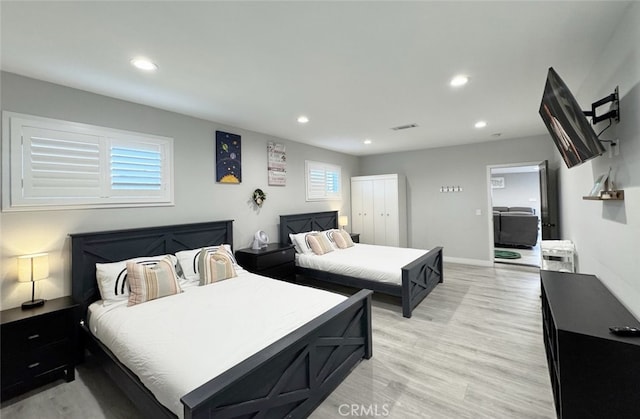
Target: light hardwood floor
[
  {"x": 529, "y": 256},
  {"x": 473, "y": 349}
]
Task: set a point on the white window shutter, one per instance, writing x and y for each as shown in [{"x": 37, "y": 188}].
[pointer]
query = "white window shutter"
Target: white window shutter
[
  {"x": 323, "y": 181},
  {"x": 61, "y": 164}
]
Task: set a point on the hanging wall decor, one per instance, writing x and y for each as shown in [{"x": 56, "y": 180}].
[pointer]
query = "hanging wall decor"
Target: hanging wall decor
[
  {"x": 228, "y": 161},
  {"x": 277, "y": 164},
  {"x": 259, "y": 197}
]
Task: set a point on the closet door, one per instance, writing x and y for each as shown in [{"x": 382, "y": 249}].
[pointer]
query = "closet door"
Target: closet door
[
  {"x": 379, "y": 212},
  {"x": 362, "y": 209},
  {"x": 391, "y": 218}
]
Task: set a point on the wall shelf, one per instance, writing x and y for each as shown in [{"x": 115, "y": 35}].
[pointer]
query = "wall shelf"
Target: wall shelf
[{"x": 617, "y": 195}]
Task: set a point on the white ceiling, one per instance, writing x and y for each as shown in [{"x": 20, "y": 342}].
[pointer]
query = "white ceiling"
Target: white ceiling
[{"x": 356, "y": 69}]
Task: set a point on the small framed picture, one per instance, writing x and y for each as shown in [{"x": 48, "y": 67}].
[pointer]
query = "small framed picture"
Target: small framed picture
[{"x": 497, "y": 183}]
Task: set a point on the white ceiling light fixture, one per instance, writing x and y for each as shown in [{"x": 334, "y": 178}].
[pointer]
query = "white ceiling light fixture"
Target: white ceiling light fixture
[
  {"x": 303, "y": 119},
  {"x": 367, "y": 141},
  {"x": 144, "y": 64},
  {"x": 480, "y": 124},
  {"x": 459, "y": 80}
]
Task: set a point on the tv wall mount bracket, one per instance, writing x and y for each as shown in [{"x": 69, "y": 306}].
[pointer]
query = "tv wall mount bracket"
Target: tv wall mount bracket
[{"x": 614, "y": 109}]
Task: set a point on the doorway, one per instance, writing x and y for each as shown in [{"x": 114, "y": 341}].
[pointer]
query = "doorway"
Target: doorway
[{"x": 523, "y": 212}]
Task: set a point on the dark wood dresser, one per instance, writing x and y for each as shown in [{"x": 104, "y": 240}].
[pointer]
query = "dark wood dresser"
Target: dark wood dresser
[
  {"x": 39, "y": 345},
  {"x": 275, "y": 261},
  {"x": 594, "y": 373}
]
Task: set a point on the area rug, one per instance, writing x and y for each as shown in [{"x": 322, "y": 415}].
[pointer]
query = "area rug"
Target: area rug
[{"x": 507, "y": 254}]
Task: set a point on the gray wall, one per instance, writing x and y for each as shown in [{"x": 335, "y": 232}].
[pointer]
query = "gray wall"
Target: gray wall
[
  {"x": 607, "y": 234},
  {"x": 449, "y": 219},
  {"x": 520, "y": 190},
  {"x": 197, "y": 196}
]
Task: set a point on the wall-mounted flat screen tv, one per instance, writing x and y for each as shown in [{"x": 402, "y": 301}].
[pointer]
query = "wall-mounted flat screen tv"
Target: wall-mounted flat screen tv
[{"x": 569, "y": 128}]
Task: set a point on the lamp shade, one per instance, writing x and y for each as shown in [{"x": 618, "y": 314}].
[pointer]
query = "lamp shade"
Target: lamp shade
[
  {"x": 343, "y": 220},
  {"x": 33, "y": 267}
]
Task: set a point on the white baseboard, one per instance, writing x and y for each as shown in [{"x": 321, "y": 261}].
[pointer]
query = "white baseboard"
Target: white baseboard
[{"x": 465, "y": 261}]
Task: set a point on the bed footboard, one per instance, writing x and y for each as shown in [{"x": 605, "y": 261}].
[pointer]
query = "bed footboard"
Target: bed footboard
[
  {"x": 294, "y": 375},
  {"x": 419, "y": 278}
]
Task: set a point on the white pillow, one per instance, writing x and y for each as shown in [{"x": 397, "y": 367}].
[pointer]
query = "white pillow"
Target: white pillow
[
  {"x": 188, "y": 261},
  {"x": 112, "y": 277}
]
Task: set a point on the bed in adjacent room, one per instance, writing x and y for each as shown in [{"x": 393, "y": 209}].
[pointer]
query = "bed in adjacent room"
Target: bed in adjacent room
[
  {"x": 235, "y": 345},
  {"x": 410, "y": 274}
]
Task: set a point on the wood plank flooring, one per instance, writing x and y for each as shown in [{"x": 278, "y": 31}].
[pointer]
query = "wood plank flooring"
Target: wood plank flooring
[{"x": 473, "y": 349}]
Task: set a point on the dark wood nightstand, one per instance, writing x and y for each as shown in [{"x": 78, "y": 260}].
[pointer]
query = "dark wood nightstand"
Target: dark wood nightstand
[
  {"x": 38, "y": 345},
  {"x": 276, "y": 261},
  {"x": 355, "y": 237}
]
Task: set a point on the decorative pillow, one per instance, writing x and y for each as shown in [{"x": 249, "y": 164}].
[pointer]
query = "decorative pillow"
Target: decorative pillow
[
  {"x": 329, "y": 235},
  {"x": 188, "y": 260},
  {"x": 148, "y": 281},
  {"x": 300, "y": 242},
  {"x": 319, "y": 243},
  {"x": 113, "y": 279},
  {"x": 339, "y": 240},
  {"x": 347, "y": 238},
  {"x": 342, "y": 239},
  {"x": 215, "y": 265}
]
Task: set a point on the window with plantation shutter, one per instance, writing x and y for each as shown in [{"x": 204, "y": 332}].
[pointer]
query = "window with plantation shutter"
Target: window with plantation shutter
[
  {"x": 59, "y": 164},
  {"x": 323, "y": 181}
]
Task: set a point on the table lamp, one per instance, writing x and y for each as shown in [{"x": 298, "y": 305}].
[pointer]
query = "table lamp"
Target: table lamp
[
  {"x": 32, "y": 268},
  {"x": 343, "y": 220}
]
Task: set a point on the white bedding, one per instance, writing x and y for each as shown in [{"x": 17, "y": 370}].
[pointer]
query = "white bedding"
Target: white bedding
[
  {"x": 177, "y": 343},
  {"x": 366, "y": 261}
]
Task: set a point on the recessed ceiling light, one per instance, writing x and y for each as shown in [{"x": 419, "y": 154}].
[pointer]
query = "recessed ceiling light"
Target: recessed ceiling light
[
  {"x": 480, "y": 124},
  {"x": 144, "y": 64},
  {"x": 459, "y": 80},
  {"x": 367, "y": 141},
  {"x": 303, "y": 119}
]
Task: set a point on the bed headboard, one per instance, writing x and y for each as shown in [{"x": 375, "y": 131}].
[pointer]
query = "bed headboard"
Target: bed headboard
[
  {"x": 87, "y": 249},
  {"x": 299, "y": 223}
]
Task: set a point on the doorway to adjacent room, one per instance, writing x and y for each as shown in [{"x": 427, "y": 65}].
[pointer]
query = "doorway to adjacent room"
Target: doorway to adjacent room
[{"x": 523, "y": 212}]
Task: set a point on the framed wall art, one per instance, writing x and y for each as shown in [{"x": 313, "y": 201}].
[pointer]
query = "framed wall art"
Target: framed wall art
[
  {"x": 228, "y": 158},
  {"x": 497, "y": 183},
  {"x": 277, "y": 164}
]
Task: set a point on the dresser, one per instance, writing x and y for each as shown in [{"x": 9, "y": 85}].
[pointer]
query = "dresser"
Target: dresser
[
  {"x": 39, "y": 345},
  {"x": 594, "y": 373},
  {"x": 275, "y": 261}
]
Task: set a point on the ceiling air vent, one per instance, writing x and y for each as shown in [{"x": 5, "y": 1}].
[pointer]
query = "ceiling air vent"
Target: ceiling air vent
[{"x": 398, "y": 128}]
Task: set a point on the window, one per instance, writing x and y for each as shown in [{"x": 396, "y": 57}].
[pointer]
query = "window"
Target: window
[
  {"x": 58, "y": 164},
  {"x": 323, "y": 181}
]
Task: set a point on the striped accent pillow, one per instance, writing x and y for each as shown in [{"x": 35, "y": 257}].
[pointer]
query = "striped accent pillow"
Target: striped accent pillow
[
  {"x": 342, "y": 239},
  {"x": 148, "y": 281},
  {"x": 347, "y": 238},
  {"x": 214, "y": 266},
  {"x": 112, "y": 277},
  {"x": 188, "y": 260},
  {"x": 319, "y": 243},
  {"x": 339, "y": 240}
]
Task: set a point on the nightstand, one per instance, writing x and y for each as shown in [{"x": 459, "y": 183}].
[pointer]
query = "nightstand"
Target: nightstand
[
  {"x": 276, "y": 261},
  {"x": 355, "y": 237},
  {"x": 38, "y": 345}
]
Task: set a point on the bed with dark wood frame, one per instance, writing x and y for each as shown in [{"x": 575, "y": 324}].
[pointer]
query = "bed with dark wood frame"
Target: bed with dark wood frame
[
  {"x": 289, "y": 378},
  {"x": 419, "y": 277}
]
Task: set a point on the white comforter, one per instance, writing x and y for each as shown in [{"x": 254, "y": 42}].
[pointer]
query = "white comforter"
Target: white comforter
[
  {"x": 175, "y": 344},
  {"x": 366, "y": 261}
]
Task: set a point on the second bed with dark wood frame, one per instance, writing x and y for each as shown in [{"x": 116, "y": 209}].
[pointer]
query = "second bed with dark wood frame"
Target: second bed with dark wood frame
[
  {"x": 419, "y": 277},
  {"x": 288, "y": 378}
]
